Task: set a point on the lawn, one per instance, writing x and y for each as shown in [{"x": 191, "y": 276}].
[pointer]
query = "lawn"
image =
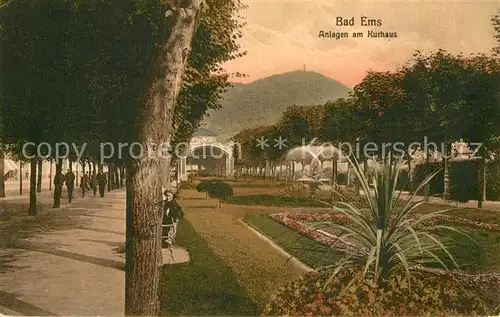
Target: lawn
[
  {"x": 480, "y": 256},
  {"x": 203, "y": 286},
  {"x": 304, "y": 248},
  {"x": 248, "y": 182},
  {"x": 273, "y": 200},
  {"x": 259, "y": 267}
]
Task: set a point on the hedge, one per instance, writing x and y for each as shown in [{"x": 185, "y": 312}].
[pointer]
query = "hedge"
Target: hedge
[{"x": 463, "y": 179}]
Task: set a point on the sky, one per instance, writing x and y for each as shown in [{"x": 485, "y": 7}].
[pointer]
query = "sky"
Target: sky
[{"x": 282, "y": 36}]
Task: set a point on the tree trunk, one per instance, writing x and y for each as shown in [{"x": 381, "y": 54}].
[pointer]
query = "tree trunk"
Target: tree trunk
[
  {"x": 110, "y": 177},
  {"x": 267, "y": 172},
  {"x": 33, "y": 187},
  {"x": 39, "y": 181},
  {"x": 50, "y": 176},
  {"x": 334, "y": 171},
  {"x": 2, "y": 172},
  {"x": 410, "y": 178},
  {"x": 121, "y": 176},
  {"x": 484, "y": 182},
  {"x": 58, "y": 184},
  {"x": 94, "y": 178},
  {"x": 117, "y": 177},
  {"x": 144, "y": 187},
  {"x": 20, "y": 178},
  {"x": 481, "y": 177},
  {"x": 427, "y": 188},
  {"x": 280, "y": 173}
]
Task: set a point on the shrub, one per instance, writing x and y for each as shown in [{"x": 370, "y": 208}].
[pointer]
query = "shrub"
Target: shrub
[
  {"x": 436, "y": 184},
  {"x": 404, "y": 181},
  {"x": 296, "y": 190},
  {"x": 185, "y": 185},
  {"x": 493, "y": 180},
  {"x": 220, "y": 190},
  {"x": 342, "y": 178},
  {"x": 431, "y": 294},
  {"x": 463, "y": 179},
  {"x": 204, "y": 186}
]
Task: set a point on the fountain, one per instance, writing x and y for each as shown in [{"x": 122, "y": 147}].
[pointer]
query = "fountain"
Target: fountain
[{"x": 314, "y": 156}]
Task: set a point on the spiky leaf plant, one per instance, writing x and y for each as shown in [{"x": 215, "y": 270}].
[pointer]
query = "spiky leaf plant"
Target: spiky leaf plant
[{"x": 387, "y": 235}]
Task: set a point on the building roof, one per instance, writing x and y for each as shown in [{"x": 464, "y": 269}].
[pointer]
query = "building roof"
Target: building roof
[{"x": 204, "y": 132}]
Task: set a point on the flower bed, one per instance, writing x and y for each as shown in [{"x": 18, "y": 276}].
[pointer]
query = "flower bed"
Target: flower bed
[
  {"x": 470, "y": 222},
  {"x": 299, "y": 221}
]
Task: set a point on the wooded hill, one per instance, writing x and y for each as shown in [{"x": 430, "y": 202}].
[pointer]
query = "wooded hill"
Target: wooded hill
[{"x": 263, "y": 101}]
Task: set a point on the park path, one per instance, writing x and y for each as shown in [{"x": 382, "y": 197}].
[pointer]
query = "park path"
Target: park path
[
  {"x": 257, "y": 264},
  {"x": 66, "y": 261}
]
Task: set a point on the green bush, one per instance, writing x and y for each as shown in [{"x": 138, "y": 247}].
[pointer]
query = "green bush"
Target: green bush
[
  {"x": 431, "y": 294},
  {"x": 204, "y": 186},
  {"x": 186, "y": 185},
  {"x": 463, "y": 179},
  {"x": 493, "y": 180},
  {"x": 436, "y": 184},
  {"x": 342, "y": 178},
  {"x": 220, "y": 190},
  {"x": 403, "y": 180}
]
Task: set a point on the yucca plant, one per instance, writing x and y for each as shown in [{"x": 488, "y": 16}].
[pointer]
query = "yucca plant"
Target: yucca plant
[{"x": 387, "y": 235}]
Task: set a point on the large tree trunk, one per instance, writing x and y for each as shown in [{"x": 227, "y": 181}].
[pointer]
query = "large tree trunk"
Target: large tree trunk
[
  {"x": 40, "y": 179},
  {"x": 2, "y": 172},
  {"x": 33, "y": 187},
  {"x": 58, "y": 184},
  {"x": 144, "y": 187}
]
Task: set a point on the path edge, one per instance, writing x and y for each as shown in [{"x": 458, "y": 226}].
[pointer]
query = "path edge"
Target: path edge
[{"x": 293, "y": 260}]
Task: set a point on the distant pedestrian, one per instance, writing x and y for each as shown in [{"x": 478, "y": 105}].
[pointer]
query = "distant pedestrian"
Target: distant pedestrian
[
  {"x": 70, "y": 184},
  {"x": 101, "y": 181},
  {"x": 26, "y": 175}
]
